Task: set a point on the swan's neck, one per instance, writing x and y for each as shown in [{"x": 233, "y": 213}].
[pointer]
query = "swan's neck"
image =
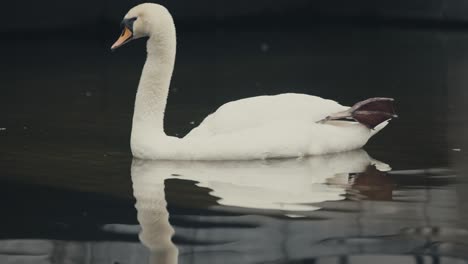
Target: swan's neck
[{"x": 153, "y": 89}]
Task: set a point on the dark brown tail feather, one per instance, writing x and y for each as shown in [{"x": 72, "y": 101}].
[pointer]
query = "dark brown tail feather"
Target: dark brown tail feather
[
  {"x": 370, "y": 112},
  {"x": 371, "y": 119},
  {"x": 373, "y": 111}
]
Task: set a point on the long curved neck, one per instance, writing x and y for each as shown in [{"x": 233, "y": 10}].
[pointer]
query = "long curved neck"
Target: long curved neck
[{"x": 153, "y": 89}]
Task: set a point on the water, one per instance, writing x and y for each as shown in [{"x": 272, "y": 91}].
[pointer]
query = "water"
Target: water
[{"x": 71, "y": 192}]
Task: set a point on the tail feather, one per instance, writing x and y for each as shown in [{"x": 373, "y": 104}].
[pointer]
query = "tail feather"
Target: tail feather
[
  {"x": 370, "y": 112},
  {"x": 377, "y": 104},
  {"x": 371, "y": 119}
]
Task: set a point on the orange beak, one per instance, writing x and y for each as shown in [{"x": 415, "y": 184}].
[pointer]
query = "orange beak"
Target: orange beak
[{"x": 125, "y": 37}]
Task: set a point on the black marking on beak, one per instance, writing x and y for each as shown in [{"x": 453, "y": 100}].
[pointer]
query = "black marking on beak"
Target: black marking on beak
[{"x": 128, "y": 22}]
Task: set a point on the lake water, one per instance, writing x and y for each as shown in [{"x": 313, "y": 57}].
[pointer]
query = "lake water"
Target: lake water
[{"x": 71, "y": 192}]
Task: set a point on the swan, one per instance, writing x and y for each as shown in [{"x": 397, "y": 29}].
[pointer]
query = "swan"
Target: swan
[{"x": 261, "y": 127}]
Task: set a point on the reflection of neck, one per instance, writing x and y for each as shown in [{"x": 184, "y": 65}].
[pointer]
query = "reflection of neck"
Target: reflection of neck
[
  {"x": 153, "y": 89},
  {"x": 152, "y": 214}
]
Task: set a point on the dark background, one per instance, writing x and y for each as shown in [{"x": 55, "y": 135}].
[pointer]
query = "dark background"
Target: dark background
[
  {"x": 63, "y": 92},
  {"x": 66, "y": 101},
  {"x": 39, "y": 15}
]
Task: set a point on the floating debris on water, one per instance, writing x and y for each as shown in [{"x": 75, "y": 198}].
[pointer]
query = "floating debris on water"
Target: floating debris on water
[
  {"x": 192, "y": 122},
  {"x": 456, "y": 149},
  {"x": 88, "y": 93},
  {"x": 2, "y": 128}
]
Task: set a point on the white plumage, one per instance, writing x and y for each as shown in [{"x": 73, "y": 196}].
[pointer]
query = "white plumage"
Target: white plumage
[
  {"x": 260, "y": 127},
  {"x": 263, "y": 110}
]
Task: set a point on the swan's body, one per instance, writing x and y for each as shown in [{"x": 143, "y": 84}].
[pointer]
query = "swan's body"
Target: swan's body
[
  {"x": 237, "y": 132},
  {"x": 260, "y": 127},
  {"x": 263, "y": 110}
]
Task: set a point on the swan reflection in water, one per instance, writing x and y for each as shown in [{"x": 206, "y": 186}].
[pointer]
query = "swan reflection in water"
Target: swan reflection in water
[{"x": 286, "y": 186}]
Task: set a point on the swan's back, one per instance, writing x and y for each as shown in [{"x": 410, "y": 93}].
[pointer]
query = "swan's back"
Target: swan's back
[{"x": 264, "y": 110}]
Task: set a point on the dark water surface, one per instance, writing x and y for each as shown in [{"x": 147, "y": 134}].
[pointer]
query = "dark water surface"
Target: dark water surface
[{"x": 71, "y": 193}]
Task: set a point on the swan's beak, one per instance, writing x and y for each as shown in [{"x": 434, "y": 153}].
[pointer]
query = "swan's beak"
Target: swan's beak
[{"x": 125, "y": 37}]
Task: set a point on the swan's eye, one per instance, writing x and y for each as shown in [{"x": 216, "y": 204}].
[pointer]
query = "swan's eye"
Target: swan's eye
[{"x": 128, "y": 22}]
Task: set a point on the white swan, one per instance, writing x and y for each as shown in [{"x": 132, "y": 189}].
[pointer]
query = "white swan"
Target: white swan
[{"x": 285, "y": 125}]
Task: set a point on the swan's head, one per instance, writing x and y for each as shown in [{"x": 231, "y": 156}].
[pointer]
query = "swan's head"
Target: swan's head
[{"x": 144, "y": 20}]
